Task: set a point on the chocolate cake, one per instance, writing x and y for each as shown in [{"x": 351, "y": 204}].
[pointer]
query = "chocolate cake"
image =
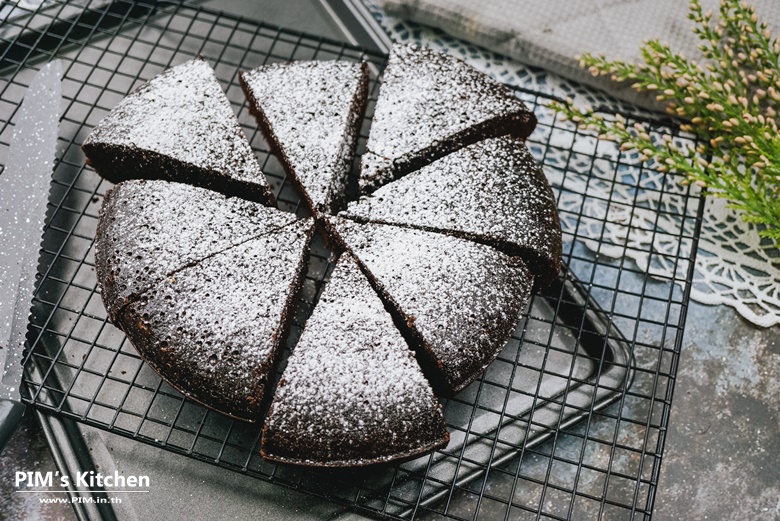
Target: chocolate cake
[
  {"x": 149, "y": 229},
  {"x": 213, "y": 329},
  {"x": 457, "y": 300},
  {"x": 179, "y": 126},
  {"x": 493, "y": 192},
  {"x": 430, "y": 105},
  {"x": 352, "y": 392},
  {"x": 205, "y": 284},
  {"x": 310, "y": 113}
]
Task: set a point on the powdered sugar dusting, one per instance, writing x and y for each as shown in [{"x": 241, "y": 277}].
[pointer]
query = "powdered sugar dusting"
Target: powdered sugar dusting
[
  {"x": 352, "y": 391},
  {"x": 493, "y": 191},
  {"x": 212, "y": 330},
  {"x": 431, "y": 104},
  {"x": 461, "y": 298},
  {"x": 311, "y": 111},
  {"x": 148, "y": 229},
  {"x": 181, "y": 114}
]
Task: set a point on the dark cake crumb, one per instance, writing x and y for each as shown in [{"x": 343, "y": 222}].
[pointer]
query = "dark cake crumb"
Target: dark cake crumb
[
  {"x": 213, "y": 330},
  {"x": 352, "y": 392},
  {"x": 179, "y": 126},
  {"x": 148, "y": 229},
  {"x": 492, "y": 192},
  {"x": 459, "y": 300},
  {"x": 310, "y": 113},
  {"x": 431, "y": 104}
]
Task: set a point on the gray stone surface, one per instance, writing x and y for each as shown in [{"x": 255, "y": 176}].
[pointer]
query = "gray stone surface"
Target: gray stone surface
[{"x": 722, "y": 457}]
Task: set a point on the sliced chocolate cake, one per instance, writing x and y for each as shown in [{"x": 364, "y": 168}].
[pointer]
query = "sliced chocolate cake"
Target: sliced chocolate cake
[
  {"x": 213, "y": 329},
  {"x": 492, "y": 192},
  {"x": 431, "y": 104},
  {"x": 148, "y": 229},
  {"x": 310, "y": 113},
  {"x": 179, "y": 126},
  {"x": 352, "y": 392},
  {"x": 459, "y": 301},
  {"x": 204, "y": 277}
]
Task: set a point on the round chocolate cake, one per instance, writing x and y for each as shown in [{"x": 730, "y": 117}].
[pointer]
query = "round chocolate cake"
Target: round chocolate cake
[{"x": 434, "y": 265}]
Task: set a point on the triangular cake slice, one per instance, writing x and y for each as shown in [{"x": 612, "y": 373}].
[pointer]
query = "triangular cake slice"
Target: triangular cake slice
[
  {"x": 492, "y": 192},
  {"x": 352, "y": 393},
  {"x": 148, "y": 229},
  {"x": 213, "y": 330},
  {"x": 431, "y": 104},
  {"x": 459, "y": 300},
  {"x": 310, "y": 113},
  {"x": 179, "y": 126}
]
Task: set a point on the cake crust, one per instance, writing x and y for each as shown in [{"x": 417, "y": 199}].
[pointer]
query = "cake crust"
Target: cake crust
[
  {"x": 352, "y": 392},
  {"x": 149, "y": 229},
  {"x": 430, "y": 105},
  {"x": 458, "y": 301},
  {"x": 492, "y": 192},
  {"x": 214, "y": 330},
  {"x": 179, "y": 126},
  {"x": 311, "y": 113}
]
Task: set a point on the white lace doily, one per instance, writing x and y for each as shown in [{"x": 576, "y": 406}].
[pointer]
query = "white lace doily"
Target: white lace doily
[{"x": 620, "y": 217}]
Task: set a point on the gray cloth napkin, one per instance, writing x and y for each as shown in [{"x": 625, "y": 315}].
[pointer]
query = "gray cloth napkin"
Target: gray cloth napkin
[{"x": 550, "y": 33}]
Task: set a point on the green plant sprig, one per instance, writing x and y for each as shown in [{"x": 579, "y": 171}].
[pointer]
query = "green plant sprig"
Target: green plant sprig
[{"x": 729, "y": 104}]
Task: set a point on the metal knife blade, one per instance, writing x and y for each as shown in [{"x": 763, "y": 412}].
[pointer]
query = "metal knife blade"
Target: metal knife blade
[{"x": 24, "y": 192}]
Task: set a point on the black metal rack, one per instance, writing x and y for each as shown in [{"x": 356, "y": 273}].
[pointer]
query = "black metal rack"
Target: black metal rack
[{"x": 552, "y": 431}]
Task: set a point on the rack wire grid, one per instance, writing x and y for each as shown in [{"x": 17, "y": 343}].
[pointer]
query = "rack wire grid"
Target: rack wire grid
[{"x": 553, "y": 430}]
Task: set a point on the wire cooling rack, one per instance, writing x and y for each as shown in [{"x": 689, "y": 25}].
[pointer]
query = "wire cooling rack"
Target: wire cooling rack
[{"x": 554, "y": 429}]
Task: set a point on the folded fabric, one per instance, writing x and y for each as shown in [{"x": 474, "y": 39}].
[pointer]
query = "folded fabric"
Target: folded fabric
[{"x": 550, "y": 33}]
